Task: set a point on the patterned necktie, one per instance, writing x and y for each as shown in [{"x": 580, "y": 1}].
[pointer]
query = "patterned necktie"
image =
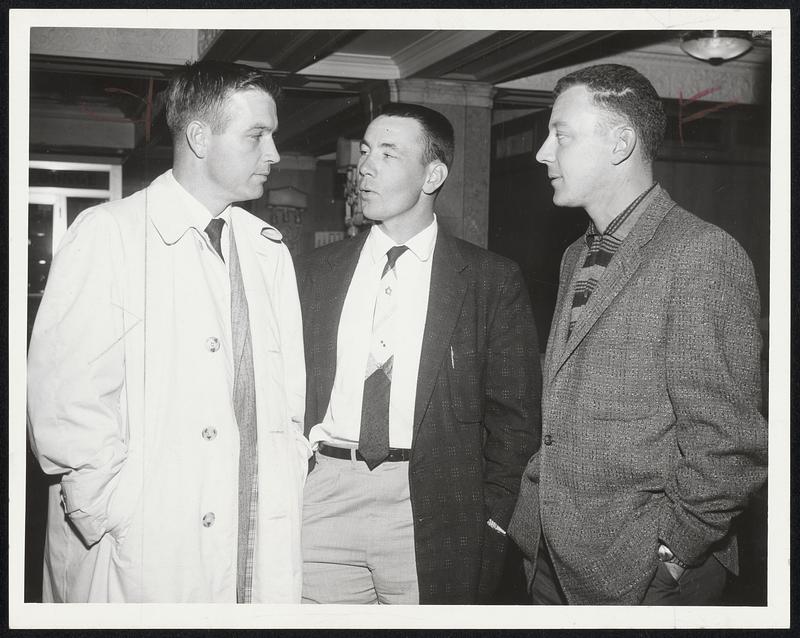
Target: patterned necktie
[
  {"x": 373, "y": 441},
  {"x": 244, "y": 407},
  {"x": 214, "y": 232}
]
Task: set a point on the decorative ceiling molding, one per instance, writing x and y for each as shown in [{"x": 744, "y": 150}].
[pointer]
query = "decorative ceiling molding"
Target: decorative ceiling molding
[
  {"x": 355, "y": 65},
  {"x": 674, "y": 76},
  {"x": 434, "y": 47}
]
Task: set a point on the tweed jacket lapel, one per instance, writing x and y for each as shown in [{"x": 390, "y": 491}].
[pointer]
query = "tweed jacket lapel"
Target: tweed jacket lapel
[
  {"x": 575, "y": 254},
  {"x": 618, "y": 273},
  {"x": 444, "y": 307},
  {"x": 330, "y": 284}
]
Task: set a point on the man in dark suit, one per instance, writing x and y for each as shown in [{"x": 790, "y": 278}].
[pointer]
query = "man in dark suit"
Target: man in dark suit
[
  {"x": 652, "y": 436},
  {"x": 423, "y": 389}
]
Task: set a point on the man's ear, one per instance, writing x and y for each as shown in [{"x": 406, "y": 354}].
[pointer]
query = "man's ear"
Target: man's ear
[
  {"x": 436, "y": 174},
  {"x": 624, "y": 144},
  {"x": 197, "y": 138}
]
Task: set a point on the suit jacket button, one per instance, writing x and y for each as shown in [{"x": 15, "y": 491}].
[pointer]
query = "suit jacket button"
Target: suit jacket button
[{"x": 548, "y": 440}]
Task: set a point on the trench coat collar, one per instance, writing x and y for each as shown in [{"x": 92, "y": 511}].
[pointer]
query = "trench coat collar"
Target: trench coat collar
[{"x": 173, "y": 211}]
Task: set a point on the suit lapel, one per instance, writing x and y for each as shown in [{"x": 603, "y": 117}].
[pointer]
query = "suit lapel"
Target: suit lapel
[
  {"x": 618, "y": 273},
  {"x": 330, "y": 284},
  {"x": 576, "y": 254},
  {"x": 446, "y": 297}
]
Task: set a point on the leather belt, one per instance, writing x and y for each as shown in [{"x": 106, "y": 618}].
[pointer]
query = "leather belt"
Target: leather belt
[{"x": 395, "y": 454}]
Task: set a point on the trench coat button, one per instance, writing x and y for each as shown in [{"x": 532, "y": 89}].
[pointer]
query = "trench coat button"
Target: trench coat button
[
  {"x": 209, "y": 434},
  {"x": 212, "y": 343},
  {"x": 208, "y": 519},
  {"x": 548, "y": 440}
]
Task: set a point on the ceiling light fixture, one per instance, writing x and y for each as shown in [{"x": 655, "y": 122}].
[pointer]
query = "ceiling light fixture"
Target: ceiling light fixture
[{"x": 715, "y": 46}]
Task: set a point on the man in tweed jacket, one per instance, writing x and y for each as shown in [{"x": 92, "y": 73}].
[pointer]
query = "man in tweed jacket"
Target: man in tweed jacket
[
  {"x": 427, "y": 524},
  {"x": 652, "y": 436}
]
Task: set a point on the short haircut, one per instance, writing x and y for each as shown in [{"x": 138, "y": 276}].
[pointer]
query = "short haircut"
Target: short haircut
[
  {"x": 625, "y": 92},
  {"x": 198, "y": 91},
  {"x": 437, "y": 132}
]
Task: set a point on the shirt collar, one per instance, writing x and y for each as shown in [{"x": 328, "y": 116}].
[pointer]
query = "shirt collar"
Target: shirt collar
[
  {"x": 195, "y": 214},
  {"x": 420, "y": 245},
  {"x": 622, "y": 223},
  {"x": 184, "y": 211}
]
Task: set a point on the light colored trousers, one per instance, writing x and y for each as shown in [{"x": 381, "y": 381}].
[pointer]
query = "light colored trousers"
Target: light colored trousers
[{"x": 358, "y": 534}]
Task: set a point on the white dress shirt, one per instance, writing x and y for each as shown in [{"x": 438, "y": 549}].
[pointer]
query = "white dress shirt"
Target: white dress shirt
[{"x": 342, "y": 422}]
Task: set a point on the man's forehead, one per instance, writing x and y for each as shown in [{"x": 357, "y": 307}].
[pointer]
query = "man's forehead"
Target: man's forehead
[
  {"x": 575, "y": 102},
  {"x": 393, "y": 126},
  {"x": 252, "y": 103},
  {"x": 249, "y": 93}
]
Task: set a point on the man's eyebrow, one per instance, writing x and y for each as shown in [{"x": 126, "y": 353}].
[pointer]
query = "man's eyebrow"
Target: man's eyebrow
[
  {"x": 263, "y": 127},
  {"x": 385, "y": 145}
]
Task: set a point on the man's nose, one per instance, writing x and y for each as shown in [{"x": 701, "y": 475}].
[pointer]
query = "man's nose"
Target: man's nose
[
  {"x": 365, "y": 165},
  {"x": 545, "y": 152},
  {"x": 270, "y": 151}
]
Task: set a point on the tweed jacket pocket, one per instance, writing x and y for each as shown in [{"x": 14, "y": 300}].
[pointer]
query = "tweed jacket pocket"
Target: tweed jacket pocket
[{"x": 465, "y": 372}]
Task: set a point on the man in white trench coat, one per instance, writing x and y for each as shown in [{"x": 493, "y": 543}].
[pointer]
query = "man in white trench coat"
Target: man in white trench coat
[{"x": 145, "y": 384}]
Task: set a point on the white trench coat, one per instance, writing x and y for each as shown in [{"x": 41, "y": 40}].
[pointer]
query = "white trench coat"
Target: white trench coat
[{"x": 129, "y": 400}]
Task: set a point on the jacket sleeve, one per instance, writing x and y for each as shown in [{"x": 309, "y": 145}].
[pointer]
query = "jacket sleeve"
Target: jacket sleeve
[
  {"x": 76, "y": 374},
  {"x": 512, "y": 416},
  {"x": 713, "y": 375},
  {"x": 512, "y": 420},
  {"x": 291, "y": 331}
]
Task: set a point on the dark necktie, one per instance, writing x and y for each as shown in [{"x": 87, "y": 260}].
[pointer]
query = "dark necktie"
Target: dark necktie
[
  {"x": 214, "y": 232},
  {"x": 373, "y": 441}
]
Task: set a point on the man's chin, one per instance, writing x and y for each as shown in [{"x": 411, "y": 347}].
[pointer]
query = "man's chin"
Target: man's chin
[
  {"x": 253, "y": 193},
  {"x": 372, "y": 216},
  {"x": 561, "y": 200}
]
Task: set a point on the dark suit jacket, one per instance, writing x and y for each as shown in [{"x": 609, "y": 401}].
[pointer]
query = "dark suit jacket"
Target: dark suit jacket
[
  {"x": 650, "y": 410},
  {"x": 476, "y": 417}
]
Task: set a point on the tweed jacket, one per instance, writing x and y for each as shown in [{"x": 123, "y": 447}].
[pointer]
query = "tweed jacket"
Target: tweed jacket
[
  {"x": 650, "y": 410},
  {"x": 476, "y": 417}
]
